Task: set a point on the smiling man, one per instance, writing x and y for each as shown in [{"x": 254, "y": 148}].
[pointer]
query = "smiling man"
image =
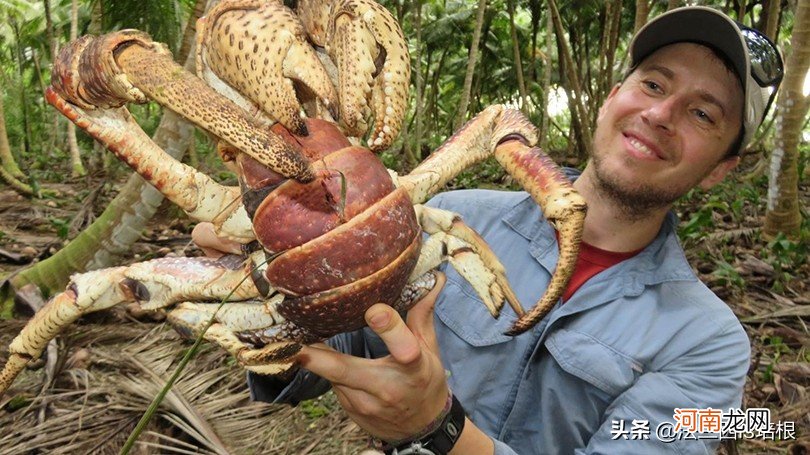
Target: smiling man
[{"x": 637, "y": 342}]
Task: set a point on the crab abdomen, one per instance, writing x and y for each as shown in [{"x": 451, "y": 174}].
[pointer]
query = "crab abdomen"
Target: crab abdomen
[
  {"x": 352, "y": 251},
  {"x": 341, "y": 243}
]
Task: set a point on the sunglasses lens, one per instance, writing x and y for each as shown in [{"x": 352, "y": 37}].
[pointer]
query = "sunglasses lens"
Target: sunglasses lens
[{"x": 766, "y": 63}]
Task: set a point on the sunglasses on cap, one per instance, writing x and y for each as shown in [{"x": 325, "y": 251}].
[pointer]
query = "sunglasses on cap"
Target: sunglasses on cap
[{"x": 766, "y": 62}]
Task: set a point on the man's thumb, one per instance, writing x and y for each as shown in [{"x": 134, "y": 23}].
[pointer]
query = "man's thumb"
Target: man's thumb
[{"x": 420, "y": 316}]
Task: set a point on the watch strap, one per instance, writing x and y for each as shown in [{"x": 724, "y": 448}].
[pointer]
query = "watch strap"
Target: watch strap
[{"x": 441, "y": 440}]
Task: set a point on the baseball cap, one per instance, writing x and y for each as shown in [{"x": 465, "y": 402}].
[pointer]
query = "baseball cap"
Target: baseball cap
[{"x": 754, "y": 57}]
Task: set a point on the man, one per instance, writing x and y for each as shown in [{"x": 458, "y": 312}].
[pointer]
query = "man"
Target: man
[{"x": 636, "y": 336}]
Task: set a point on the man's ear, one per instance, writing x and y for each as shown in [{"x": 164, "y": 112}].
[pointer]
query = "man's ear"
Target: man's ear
[
  {"x": 719, "y": 172},
  {"x": 609, "y": 98}
]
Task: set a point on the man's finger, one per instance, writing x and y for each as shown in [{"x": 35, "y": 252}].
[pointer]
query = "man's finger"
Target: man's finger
[
  {"x": 401, "y": 343},
  {"x": 420, "y": 317},
  {"x": 335, "y": 367}
]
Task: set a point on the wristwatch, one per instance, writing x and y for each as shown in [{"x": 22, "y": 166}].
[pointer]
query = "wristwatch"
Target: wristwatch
[{"x": 441, "y": 440}]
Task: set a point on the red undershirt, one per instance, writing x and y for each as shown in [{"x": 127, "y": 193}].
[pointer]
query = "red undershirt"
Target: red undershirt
[{"x": 591, "y": 261}]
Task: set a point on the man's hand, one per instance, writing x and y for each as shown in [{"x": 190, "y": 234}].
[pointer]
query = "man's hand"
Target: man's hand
[{"x": 397, "y": 396}]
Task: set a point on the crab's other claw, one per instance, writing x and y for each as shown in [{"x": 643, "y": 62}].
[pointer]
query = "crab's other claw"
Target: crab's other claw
[
  {"x": 111, "y": 70},
  {"x": 371, "y": 55},
  {"x": 260, "y": 49}
]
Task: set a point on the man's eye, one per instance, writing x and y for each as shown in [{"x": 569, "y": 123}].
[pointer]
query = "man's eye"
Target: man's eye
[
  {"x": 652, "y": 85},
  {"x": 703, "y": 116}
]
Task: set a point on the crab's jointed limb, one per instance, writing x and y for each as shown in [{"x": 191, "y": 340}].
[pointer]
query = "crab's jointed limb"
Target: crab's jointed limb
[
  {"x": 260, "y": 48},
  {"x": 562, "y": 206},
  {"x": 506, "y": 133},
  {"x": 452, "y": 240},
  {"x": 127, "y": 66},
  {"x": 198, "y": 195},
  {"x": 154, "y": 284},
  {"x": 374, "y": 70}
]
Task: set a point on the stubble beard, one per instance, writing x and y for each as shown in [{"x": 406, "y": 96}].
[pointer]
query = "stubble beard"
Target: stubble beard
[{"x": 635, "y": 201}]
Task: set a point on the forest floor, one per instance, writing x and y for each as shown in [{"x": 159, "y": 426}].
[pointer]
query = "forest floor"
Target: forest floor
[{"x": 88, "y": 397}]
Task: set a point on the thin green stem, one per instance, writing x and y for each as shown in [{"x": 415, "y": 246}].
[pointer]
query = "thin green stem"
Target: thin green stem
[{"x": 150, "y": 411}]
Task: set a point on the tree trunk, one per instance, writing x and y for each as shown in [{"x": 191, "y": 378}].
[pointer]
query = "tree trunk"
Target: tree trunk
[
  {"x": 9, "y": 171},
  {"x": 642, "y": 13},
  {"x": 783, "y": 184},
  {"x": 53, "y": 47},
  {"x": 461, "y": 115},
  {"x": 575, "y": 94},
  {"x": 741, "y": 11},
  {"x": 547, "y": 82},
  {"x": 104, "y": 242},
  {"x": 771, "y": 28},
  {"x": 607, "y": 52},
  {"x": 76, "y": 166},
  {"x": 6, "y": 157},
  {"x": 524, "y": 106}
]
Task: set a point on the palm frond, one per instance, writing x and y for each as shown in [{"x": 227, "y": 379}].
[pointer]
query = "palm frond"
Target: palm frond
[{"x": 92, "y": 409}]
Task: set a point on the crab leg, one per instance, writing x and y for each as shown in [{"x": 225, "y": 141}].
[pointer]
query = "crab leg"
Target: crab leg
[
  {"x": 153, "y": 284},
  {"x": 490, "y": 132},
  {"x": 262, "y": 61},
  {"x": 259, "y": 323},
  {"x": 198, "y": 195},
  {"x": 371, "y": 55},
  {"x": 127, "y": 66},
  {"x": 561, "y": 205},
  {"x": 450, "y": 239}
]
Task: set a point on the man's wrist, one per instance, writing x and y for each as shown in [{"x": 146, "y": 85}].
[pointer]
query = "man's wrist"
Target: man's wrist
[
  {"x": 473, "y": 440},
  {"x": 439, "y": 437}
]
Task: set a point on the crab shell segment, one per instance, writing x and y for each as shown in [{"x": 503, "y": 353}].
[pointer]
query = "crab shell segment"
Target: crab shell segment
[{"x": 341, "y": 243}]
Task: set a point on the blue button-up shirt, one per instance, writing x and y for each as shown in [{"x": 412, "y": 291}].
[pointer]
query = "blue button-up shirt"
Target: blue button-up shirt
[{"x": 634, "y": 343}]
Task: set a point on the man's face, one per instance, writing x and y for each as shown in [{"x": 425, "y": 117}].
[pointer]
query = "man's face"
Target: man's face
[{"x": 667, "y": 128}]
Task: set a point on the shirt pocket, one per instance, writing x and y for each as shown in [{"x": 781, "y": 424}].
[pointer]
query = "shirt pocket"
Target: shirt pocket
[
  {"x": 479, "y": 358},
  {"x": 594, "y": 362},
  {"x": 463, "y": 312}
]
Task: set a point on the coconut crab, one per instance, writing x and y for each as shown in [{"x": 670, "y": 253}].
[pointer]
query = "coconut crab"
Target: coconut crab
[{"x": 326, "y": 230}]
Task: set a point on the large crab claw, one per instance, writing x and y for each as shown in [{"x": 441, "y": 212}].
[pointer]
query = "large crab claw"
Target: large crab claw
[
  {"x": 260, "y": 49},
  {"x": 127, "y": 66},
  {"x": 371, "y": 55}
]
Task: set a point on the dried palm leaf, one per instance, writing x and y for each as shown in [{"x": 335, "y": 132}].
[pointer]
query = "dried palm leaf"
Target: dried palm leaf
[{"x": 93, "y": 409}]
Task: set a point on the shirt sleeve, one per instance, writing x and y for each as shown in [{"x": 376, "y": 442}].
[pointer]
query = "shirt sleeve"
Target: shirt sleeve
[
  {"x": 711, "y": 376},
  {"x": 303, "y": 385}
]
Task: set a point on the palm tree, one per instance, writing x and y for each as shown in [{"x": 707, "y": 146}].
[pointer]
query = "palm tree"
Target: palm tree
[
  {"x": 783, "y": 185},
  {"x": 9, "y": 171},
  {"x": 76, "y": 166},
  {"x": 461, "y": 115}
]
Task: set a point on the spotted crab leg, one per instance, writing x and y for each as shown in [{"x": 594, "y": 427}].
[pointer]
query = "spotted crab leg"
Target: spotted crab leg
[
  {"x": 153, "y": 284},
  {"x": 371, "y": 55},
  {"x": 240, "y": 327},
  {"x": 259, "y": 48},
  {"x": 197, "y": 194},
  {"x": 126, "y": 66},
  {"x": 450, "y": 239},
  {"x": 490, "y": 132}
]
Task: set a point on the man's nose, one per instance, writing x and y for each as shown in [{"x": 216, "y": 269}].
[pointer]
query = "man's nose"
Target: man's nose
[{"x": 661, "y": 114}]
